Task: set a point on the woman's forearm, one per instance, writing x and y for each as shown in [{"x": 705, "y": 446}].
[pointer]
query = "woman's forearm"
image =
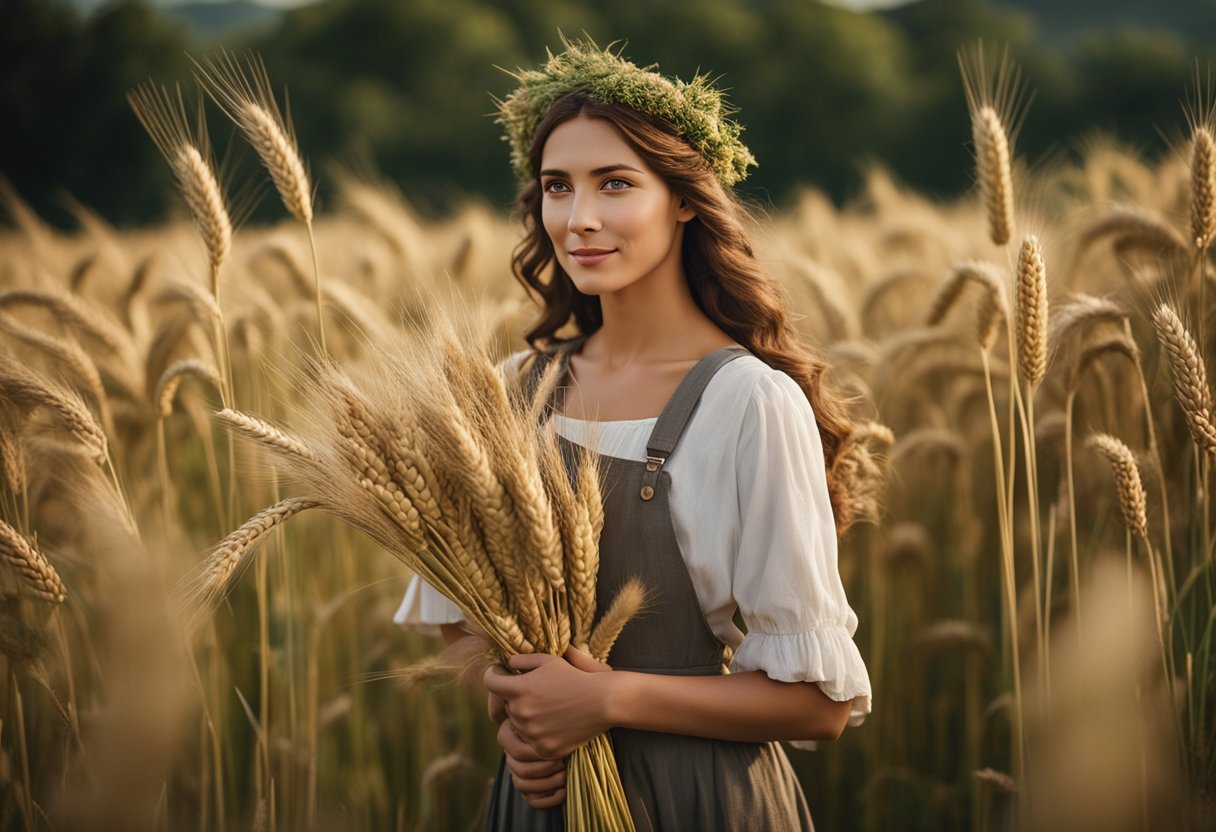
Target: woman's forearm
[
  {"x": 453, "y": 633},
  {"x": 745, "y": 707}
]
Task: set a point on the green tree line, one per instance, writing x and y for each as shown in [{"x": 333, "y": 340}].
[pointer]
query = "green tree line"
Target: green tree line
[{"x": 407, "y": 85}]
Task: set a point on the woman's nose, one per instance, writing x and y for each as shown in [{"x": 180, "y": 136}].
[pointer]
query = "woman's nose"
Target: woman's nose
[{"x": 583, "y": 217}]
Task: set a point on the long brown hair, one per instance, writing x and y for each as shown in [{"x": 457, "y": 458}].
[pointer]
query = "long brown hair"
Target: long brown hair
[{"x": 725, "y": 279}]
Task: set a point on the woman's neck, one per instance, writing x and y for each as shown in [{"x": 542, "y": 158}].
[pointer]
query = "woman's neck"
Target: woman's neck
[{"x": 654, "y": 318}]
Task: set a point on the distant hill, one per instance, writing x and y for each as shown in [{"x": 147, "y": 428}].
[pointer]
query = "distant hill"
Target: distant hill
[
  {"x": 1192, "y": 19},
  {"x": 208, "y": 20}
]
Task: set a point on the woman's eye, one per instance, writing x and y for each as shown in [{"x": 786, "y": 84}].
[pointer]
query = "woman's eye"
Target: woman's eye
[
  {"x": 549, "y": 186},
  {"x": 622, "y": 182}
]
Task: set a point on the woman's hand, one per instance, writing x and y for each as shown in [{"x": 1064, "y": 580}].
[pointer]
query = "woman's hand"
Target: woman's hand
[
  {"x": 552, "y": 708},
  {"x": 541, "y": 782}
]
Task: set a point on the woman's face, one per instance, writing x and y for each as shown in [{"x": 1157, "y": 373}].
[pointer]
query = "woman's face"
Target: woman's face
[{"x": 613, "y": 221}]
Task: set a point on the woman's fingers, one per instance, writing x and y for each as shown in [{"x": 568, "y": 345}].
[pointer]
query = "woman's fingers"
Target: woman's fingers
[
  {"x": 497, "y": 707},
  {"x": 584, "y": 661},
  {"x": 539, "y": 786},
  {"x": 556, "y": 799},
  {"x": 515, "y": 746},
  {"x": 535, "y": 771}
]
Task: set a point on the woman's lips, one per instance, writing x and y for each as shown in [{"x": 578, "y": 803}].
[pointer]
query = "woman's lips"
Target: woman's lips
[{"x": 591, "y": 259}]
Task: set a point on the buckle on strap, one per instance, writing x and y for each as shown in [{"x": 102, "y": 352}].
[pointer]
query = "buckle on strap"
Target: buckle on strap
[{"x": 650, "y": 478}]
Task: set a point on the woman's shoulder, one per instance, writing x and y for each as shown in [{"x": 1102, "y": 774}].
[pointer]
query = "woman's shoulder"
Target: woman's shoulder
[{"x": 746, "y": 380}]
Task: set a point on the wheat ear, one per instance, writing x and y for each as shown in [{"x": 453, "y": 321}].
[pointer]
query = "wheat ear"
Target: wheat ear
[
  {"x": 1078, "y": 313},
  {"x": 266, "y": 434},
  {"x": 63, "y": 350},
  {"x": 994, "y": 171},
  {"x": 188, "y": 152},
  {"x": 171, "y": 380},
  {"x": 202, "y": 193},
  {"x": 1032, "y": 311},
  {"x": 33, "y": 567},
  {"x": 1118, "y": 343},
  {"x": 279, "y": 154},
  {"x": 227, "y": 557},
  {"x": 29, "y": 392},
  {"x": 245, "y": 94},
  {"x": 73, "y": 314},
  {"x": 1203, "y": 188},
  {"x": 1127, "y": 481},
  {"x": 1132, "y": 227},
  {"x": 1190, "y": 376},
  {"x": 12, "y": 453},
  {"x": 629, "y": 600}
]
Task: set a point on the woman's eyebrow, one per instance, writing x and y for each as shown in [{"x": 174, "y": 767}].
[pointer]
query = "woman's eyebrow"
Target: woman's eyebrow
[{"x": 596, "y": 172}]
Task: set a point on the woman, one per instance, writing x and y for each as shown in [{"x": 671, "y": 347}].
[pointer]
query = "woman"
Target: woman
[{"x": 721, "y": 447}]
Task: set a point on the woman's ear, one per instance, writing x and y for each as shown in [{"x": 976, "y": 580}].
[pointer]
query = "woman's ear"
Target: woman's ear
[{"x": 685, "y": 212}]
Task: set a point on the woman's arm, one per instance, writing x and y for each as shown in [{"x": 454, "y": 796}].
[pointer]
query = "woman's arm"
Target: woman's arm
[{"x": 555, "y": 706}]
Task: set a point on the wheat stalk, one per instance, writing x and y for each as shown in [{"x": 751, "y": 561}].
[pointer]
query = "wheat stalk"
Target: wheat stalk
[
  {"x": 1190, "y": 376},
  {"x": 994, "y": 171},
  {"x": 279, "y": 154},
  {"x": 629, "y": 600},
  {"x": 266, "y": 434},
  {"x": 29, "y": 392},
  {"x": 1132, "y": 227},
  {"x": 171, "y": 379},
  {"x": 1203, "y": 188},
  {"x": 12, "y": 453},
  {"x": 1117, "y": 344},
  {"x": 73, "y": 314},
  {"x": 187, "y": 150},
  {"x": 992, "y": 309},
  {"x": 245, "y": 95},
  {"x": 202, "y": 305},
  {"x": 1078, "y": 313},
  {"x": 1031, "y": 312},
  {"x": 226, "y": 558},
  {"x": 202, "y": 192},
  {"x": 66, "y": 352},
  {"x": 31, "y": 565},
  {"x": 1127, "y": 481}
]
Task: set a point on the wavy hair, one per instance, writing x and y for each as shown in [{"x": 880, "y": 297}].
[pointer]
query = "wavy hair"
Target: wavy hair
[{"x": 725, "y": 279}]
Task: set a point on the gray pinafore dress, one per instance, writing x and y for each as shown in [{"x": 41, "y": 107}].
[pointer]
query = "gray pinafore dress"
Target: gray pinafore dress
[{"x": 672, "y": 782}]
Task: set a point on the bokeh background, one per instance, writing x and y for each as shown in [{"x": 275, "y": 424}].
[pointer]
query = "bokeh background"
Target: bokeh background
[
  {"x": 302, "y": 706},
  {"x": 822, "y": 88}
]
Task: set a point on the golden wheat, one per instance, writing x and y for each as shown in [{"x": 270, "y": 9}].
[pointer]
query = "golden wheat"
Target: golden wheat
[
  {"x": 629, "y": 600},
  {"x": 1127, "y": 481},
  {"x": 1190, "y": 376},
  {"x": 994, "y": 171},
  {"x": 1031, "y": 312},
  {"x": 226, "y": 558},
  {"x": 28, "y": 392},
  {"x": 1203, "y": 188},
  {"x": 266, "y": 434},
  {"x": 171, "y": 380},
  {"x": 31, "y": 565}
]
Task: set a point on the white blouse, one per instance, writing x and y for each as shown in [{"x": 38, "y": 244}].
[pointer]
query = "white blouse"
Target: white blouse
[{"x": 751, "y": 513}]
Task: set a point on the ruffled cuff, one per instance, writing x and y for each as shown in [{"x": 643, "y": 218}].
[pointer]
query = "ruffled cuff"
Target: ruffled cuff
[
  {"x": 424, "y": 608},
  {"x": 827, "y": 656}
]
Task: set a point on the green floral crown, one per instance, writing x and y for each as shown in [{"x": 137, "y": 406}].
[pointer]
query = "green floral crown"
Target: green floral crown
[{"x": 697, "y": 109}]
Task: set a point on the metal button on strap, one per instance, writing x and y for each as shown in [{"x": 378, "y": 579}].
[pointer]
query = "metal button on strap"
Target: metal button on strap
[{"x": 647, "y": 492}]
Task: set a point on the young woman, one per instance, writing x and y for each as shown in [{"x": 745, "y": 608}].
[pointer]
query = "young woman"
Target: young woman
[{"x": 721, "y": 446}]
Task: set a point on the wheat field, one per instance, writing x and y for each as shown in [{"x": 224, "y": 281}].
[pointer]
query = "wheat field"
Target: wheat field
[{"x": 1035, "y": 587}]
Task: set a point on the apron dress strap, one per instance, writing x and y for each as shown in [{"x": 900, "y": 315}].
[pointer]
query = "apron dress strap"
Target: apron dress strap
[{"x": 677, "y": 412}]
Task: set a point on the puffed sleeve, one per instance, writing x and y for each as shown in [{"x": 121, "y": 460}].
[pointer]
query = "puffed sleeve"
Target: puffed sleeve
[
  {"x": 786, "y": 581},
  {"x": 424, "y": 608}
]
